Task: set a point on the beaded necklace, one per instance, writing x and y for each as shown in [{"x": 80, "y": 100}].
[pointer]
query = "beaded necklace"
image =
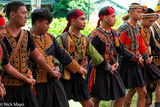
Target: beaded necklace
[
  {"x": 40, "y": 41},
  {"x": 78, "y": 44},
  {"x": 109, "y": 48},
  {"x": 133, "y": 45}
]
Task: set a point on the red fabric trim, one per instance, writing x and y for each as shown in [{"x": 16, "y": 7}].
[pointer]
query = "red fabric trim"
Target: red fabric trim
[
  {"x": 2, "y": 21},
  {"x": 99, "y": 20},
  {"x": 79, "y": 12},
  {"x": 142, "y": 47},
  {"x": 35, "y": 91},
  {"x": 67, "y": 27},
  {"x": 111, "y": 29},
  {"x": 73, "y": 17},
  {"x": 123, "y": 37},
  {"x": 91, "y": 79},
  {"x": 111, "y": 11}
]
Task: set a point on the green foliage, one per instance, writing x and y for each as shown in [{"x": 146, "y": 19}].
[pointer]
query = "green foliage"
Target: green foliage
[
  {"x": 84, "y": 5},
  {"x": 118, "y": 22},
  {"x": 58, "y": 25},
  {"x": 61, "y": 7}
]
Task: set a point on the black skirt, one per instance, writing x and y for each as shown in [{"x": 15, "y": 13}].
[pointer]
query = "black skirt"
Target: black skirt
[
  {"x": 76, "y": 89},
  {"x": 151, "y": 73},
  {"x": 107, "y": 86},
  {"x": 51, "y": 94},
  {"x": 131, "y": 74},
  {"x": 20, "y": 96}
]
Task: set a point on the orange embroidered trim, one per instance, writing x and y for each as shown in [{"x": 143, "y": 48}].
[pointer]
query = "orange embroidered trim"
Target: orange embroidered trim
[
  {"x": 19, "y": 62},
  {"x": 73, "y": 67},
  {"x": 42, "y": 45}
]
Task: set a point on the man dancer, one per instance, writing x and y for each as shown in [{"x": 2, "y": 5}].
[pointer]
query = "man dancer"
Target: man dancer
[
  {"x": 5, "y": 65},
  {"x": 107, "y": 86},
  {"x": 50, "y": 92},
  {"x": 156, "y": 53},
  {"x": 131, "y": 37},
  {"x": 79, "y": 47},
  {"x": 20, "y": 46}
]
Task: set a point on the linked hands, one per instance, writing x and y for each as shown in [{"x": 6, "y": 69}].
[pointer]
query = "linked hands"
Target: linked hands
[
  {"x": 82, "y": 71},
  {"x": 114, "y": 67}
]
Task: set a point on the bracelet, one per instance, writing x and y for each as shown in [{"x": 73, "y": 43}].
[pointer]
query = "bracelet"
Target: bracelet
[
  {"x": 57, "y": 68},
  {"x": 109, "y": 67}
]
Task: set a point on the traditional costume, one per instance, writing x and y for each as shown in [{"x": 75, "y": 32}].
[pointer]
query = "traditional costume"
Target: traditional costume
[
  {"x": 150, "y": 41},
  {"x": 49, "y": 91},
  {"x": 131, "y": 38},
  {"x": 17, "y": 90},
  {"x": 79, "y": 47},
  {"x": 105, "y": 85}
]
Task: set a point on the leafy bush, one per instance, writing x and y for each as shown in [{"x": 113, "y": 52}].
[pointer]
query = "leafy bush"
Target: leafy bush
[
  {"x": 61, "y": 7},
  {"x": 84, "y": 5},
  {"x": 58, "y": 25}
]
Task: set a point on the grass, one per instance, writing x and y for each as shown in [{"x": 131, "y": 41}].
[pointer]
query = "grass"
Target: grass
[{"x": 108, "y": 103}]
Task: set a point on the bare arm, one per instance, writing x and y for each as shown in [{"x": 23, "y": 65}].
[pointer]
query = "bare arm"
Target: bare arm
[
  {"x": 36, "y": 55},
  {"x": 13, "y": 72}
]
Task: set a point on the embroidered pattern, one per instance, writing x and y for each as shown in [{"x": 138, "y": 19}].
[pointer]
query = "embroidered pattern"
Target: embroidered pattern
[
  {"x": 109, "y": 52},
  {"x": 157, "y": 29},
  {"x": 42, "y": 44},
  {"x": 20, "y": 60},
  {"x": 73, "y": 66},
  {"x": 157, "y": 42},
  {"x": 133, "y": 34},
  {"x": 146, "y": 32},
  {"x": 76, "y": 47}
]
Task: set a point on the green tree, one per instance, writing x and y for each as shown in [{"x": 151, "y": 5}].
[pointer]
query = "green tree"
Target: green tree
[
  {"x": 87, "y": 6},
  {"x": 60, "y": 8}
]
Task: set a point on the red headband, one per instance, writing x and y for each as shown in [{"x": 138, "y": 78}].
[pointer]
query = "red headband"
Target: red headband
[
  {"x": 2, "y": 21},
  {"x": 111, "y": 11},
  {"x": 79, "y": 13}
]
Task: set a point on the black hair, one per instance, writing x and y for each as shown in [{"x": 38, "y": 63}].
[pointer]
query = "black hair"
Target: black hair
[
  {"x": 71, "y": 13},
  {"x": 104, "y": 11},
  {"x": 1, "y": 16},
  {"x": 13, "y": 6},
  {"x": 41, "y": 14},
  {"x": 149, "y": 10}
]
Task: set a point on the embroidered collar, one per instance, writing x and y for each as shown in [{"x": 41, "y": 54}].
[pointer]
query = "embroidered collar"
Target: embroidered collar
[
  {"x": 134, "y": 26},
  {"x": 107, "y": 31},
  {"x": 37, "y": 36},
  {"x": 77, "y": 36}
]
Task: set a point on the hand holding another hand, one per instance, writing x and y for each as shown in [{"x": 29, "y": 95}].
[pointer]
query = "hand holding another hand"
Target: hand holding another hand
[
  {"x": 114, "y": 67},
  {"x": 82, "y": 71}
]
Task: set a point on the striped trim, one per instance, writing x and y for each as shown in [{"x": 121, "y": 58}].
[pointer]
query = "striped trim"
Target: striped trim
[
  {"x": 136, "y": 7},
  {"x": 150, "y": 15}
]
